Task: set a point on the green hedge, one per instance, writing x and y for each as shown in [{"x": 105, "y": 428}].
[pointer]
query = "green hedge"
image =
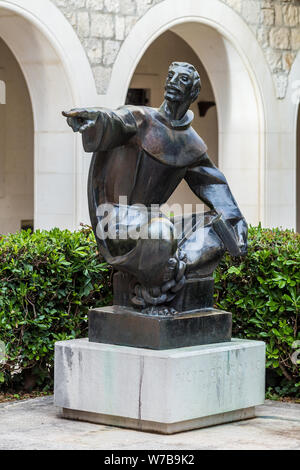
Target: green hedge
[
  {"x": 262, "y": 291},
  {"x": 48, "y": 280}
]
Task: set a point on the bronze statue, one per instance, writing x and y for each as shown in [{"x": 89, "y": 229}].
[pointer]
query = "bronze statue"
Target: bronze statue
[{"x": 143, "y": 153}]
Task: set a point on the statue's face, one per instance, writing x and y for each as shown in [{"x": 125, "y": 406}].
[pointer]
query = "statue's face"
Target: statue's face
[{"x": 179, "y": 84}]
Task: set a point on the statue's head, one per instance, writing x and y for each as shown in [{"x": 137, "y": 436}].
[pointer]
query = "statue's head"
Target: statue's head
[{"x": 183, "y": 83}]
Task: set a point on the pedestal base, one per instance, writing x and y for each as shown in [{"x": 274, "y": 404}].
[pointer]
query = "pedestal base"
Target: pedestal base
[
  {"x": 162, "y": 391},
  {"x": 127, "y": 327},
  {"x": 161, "y": 428}
]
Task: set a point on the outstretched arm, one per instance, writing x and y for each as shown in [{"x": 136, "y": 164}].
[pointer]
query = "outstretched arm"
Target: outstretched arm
[
  {"x": 102, "y": 129},
  {"x": 210, "y": 185}
]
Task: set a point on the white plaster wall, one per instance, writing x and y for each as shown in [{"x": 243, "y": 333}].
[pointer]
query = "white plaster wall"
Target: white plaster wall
[{"x": 16, "y": 146}]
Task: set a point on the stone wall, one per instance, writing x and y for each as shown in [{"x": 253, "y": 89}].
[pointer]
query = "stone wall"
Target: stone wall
[
  {"x": 102, "y": 26},
  {"x": 276, "y": 25}
]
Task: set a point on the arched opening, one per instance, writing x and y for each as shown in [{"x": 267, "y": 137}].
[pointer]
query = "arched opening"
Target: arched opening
[
  {"x": 49, "y": 92},
  {"x": 221, "y": 41},
  {"x": 298, "y": 175},
  {"x": 50, "y": 54},
  {"x": 16, "y": 147},
  {"x": 148, "y": 82}
]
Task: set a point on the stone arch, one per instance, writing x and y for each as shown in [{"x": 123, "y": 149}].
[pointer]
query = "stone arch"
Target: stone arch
[
  {"x": 241, "y": 81},
  {"x": 50, "y": 55}
]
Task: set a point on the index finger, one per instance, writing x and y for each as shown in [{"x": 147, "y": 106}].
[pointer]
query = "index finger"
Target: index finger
[{"x": 74, "y": 113}]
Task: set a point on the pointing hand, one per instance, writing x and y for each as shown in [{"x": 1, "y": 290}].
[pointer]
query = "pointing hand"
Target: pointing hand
[{"x": 81, "y": 119}]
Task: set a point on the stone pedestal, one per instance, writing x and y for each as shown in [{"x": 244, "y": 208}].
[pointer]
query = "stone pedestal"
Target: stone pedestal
[{"x": 162, "y": 391}]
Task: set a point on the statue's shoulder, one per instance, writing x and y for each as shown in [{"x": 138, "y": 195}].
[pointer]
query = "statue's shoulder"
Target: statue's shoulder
[
  {"x": 141, "y": 114},
  {"x": 138, "y": 112},
  {"x": 177, "y": 146}
]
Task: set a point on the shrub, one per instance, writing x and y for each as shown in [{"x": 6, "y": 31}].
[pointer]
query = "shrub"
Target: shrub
[
  {"x": 48, "y": 280},
  {"x": 263, "y": 293}
]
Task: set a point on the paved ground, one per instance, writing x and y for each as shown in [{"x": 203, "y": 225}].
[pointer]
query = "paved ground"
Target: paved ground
[{"x": 35, "y": 424}]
